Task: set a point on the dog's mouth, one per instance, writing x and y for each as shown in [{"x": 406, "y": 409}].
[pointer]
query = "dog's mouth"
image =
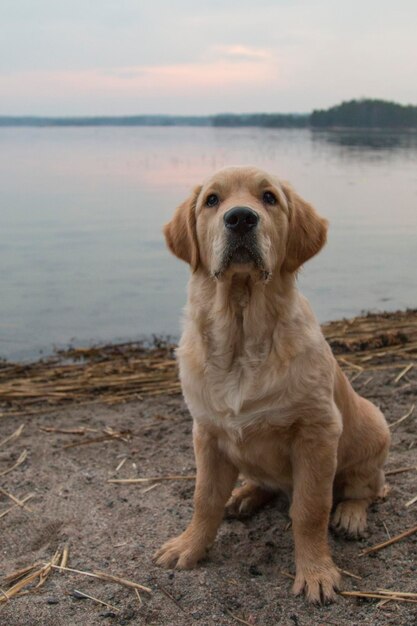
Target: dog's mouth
[{"x": 241, "y": 254}]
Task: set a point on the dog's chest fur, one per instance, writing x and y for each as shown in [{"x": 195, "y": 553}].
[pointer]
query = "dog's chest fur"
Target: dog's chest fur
[{"x": 241, "y": 364}]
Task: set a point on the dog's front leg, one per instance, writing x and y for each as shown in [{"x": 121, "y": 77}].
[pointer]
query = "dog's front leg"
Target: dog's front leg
[
  {"x": 314, "y": 457},
  {"x": 216, "y": 477}
]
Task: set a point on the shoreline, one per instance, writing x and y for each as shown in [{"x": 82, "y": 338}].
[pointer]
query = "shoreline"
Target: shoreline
[{"x": 114, "y": 373}]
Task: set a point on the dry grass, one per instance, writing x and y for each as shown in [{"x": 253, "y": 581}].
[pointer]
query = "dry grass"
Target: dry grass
[
  {"x": 120, "y": 373},
  {"x": 30, "y": 578},
  {"x": 389, "y": 542},
  {"x": 150, "y": 479},
  {"x": 22, "y": 458}
]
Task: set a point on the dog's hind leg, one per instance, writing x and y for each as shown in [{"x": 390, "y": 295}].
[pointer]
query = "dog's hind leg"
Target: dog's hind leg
[
  {"x": 360, "y": 478},
  {"x": 350, "y": 515},
  {"x": 248, "y": 499}
]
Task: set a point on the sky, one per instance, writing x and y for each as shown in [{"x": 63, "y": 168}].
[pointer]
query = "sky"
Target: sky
[{"x": 108, "y": 57}]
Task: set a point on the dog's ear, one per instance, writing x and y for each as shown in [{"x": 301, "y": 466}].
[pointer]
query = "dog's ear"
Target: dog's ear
[
  {"x": 181, "y": 233},
  {"x": 307, "y": 231}
]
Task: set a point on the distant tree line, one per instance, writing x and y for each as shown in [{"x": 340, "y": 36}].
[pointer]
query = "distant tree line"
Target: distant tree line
[
  {"x": 366, "y": 114},
  {"x": 354, "y": 114},
  {"x": 129, "y": 120},
  {"x": 266, "y": 120},
  {"x": 271, "y": 120}
]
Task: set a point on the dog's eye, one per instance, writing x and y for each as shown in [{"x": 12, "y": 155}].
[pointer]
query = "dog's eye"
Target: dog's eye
[
  {"x": 212, "y": 200},
  {"x": 269, "y": 198}
]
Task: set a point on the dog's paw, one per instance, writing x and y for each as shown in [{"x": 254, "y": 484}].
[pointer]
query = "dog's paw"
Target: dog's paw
[
  {"x": 246, "y": 500},
  {"x": 318, "y": 582},
  {"x": 349, "y": 518},
  {"x": 179, "y": 553}
]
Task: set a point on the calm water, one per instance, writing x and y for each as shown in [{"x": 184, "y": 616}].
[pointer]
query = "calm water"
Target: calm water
[{"x": 81, "y": 252}]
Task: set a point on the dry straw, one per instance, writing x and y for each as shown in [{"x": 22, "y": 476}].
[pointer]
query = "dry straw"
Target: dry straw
[
  {"x": 124, "y": 372},
  {"x": 30, "y": 578},
  {"x": 389, "y": 542},
  {"x": 22, "y": 458},
  {"x": 151, "y": 479}
]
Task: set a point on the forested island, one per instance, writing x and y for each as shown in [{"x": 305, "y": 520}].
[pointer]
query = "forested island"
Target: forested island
[{"x": 365, "y": 113}]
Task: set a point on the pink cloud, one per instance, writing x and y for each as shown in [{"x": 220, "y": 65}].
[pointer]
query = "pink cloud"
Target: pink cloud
[
  {"x": 144, "y": 81},
  {"x": 243, "y": 52}
]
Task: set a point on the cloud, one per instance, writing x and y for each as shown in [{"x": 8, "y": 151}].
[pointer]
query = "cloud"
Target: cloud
[
  {"x": 201, "y": 75},
  {"x": 206, "y": 78},
  {"x": 243, "y": 52}
]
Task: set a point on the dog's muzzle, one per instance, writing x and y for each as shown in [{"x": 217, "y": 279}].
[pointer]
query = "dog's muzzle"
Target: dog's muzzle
[{"x": 241, "y": 242}]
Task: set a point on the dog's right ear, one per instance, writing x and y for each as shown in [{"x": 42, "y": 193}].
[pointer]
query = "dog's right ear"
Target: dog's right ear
[{"x": 181, "y": 232}]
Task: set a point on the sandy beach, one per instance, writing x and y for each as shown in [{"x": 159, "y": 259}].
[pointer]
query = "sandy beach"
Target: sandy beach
[{"x": 73, "y": 425}]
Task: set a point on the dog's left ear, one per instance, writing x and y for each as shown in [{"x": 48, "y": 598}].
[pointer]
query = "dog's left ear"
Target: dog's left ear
[
  {"x": 181, "y": 232},
  {"x": 307, "y": 231}
]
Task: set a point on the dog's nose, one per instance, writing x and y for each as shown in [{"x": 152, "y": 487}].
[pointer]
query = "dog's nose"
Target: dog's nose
[{"x": 240, "y": 219}]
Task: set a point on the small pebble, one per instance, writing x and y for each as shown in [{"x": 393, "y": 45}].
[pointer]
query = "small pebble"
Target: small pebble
[
  {"x": 52, "y": 601},
  {"x": 254, "y": 570}
]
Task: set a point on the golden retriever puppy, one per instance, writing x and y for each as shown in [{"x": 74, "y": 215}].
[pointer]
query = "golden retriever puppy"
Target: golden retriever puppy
[{"x": 266, "y": 394}]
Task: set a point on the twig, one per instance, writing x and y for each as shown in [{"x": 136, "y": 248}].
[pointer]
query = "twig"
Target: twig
[
  {"x": 404, "y": 417},
  {"x": 151, "y": 487},
  {"x": 350, "y": 364},
  {"x": 47, "y": 569},
  {"x": 16, "y": 588},
  {"x": 384, "y": 544},
  {"x": 401, "y": 470},
  {"x": 5, "y": 597},
  {"x": 376, "y": 595},
  {"x": 389, "y": 592},
  {"x": 346, "y": 573},
  {"x": 10, "y": 578},
  {"x": 68, "y": 431},
  {"x": 403, "y": 372},
  {"x": 122, "y": 462},
  {"x": 410, "y": 502},
  {"x": 171, "y": 597},
  {"x": 133, "y": 481},
  {"x": 86, "y": 595},
  {"x": 32, "y": 573},
  {"x": 105, "y": 576},
  {"x": 22, "y": 458},
  {"x": 122, "y": 581},
  {"x": 23, "y": 500},
  {"x": 367, "y": 381},
  {"x": 65, "y": 555},
  {"x": 87, "y": 442},
  {"x": 15, "y": 500},
  {"x": 14, "y": 435},
  {"x": 356, "y": 376},
  {"x": 138, "y": 597},
  {"x": 239, "y": 619}
]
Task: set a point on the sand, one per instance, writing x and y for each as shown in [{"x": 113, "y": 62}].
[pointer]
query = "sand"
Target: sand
[{"x": 115, "y": 528}]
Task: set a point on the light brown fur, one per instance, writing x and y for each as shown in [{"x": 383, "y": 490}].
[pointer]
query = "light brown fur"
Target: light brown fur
[{"x": 266, "y": 394}]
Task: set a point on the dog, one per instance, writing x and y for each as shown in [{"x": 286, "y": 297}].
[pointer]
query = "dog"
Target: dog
[{"x": 267, "y": 397}]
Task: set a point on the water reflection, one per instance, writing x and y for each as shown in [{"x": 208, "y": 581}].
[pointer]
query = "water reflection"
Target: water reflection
[
  {"x": 385, "y": 140},
  {"x": 81, "y": 248}
]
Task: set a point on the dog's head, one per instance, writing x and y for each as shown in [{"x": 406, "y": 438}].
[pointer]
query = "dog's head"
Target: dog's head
[{"x": 245, "y": 220}]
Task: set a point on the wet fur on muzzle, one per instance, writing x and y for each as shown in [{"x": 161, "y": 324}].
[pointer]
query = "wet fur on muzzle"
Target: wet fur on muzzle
[{"x": 242, "y": 250}]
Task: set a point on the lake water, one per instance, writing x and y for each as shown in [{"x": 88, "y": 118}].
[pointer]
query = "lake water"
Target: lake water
[{"x": 82, "y": 256}]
